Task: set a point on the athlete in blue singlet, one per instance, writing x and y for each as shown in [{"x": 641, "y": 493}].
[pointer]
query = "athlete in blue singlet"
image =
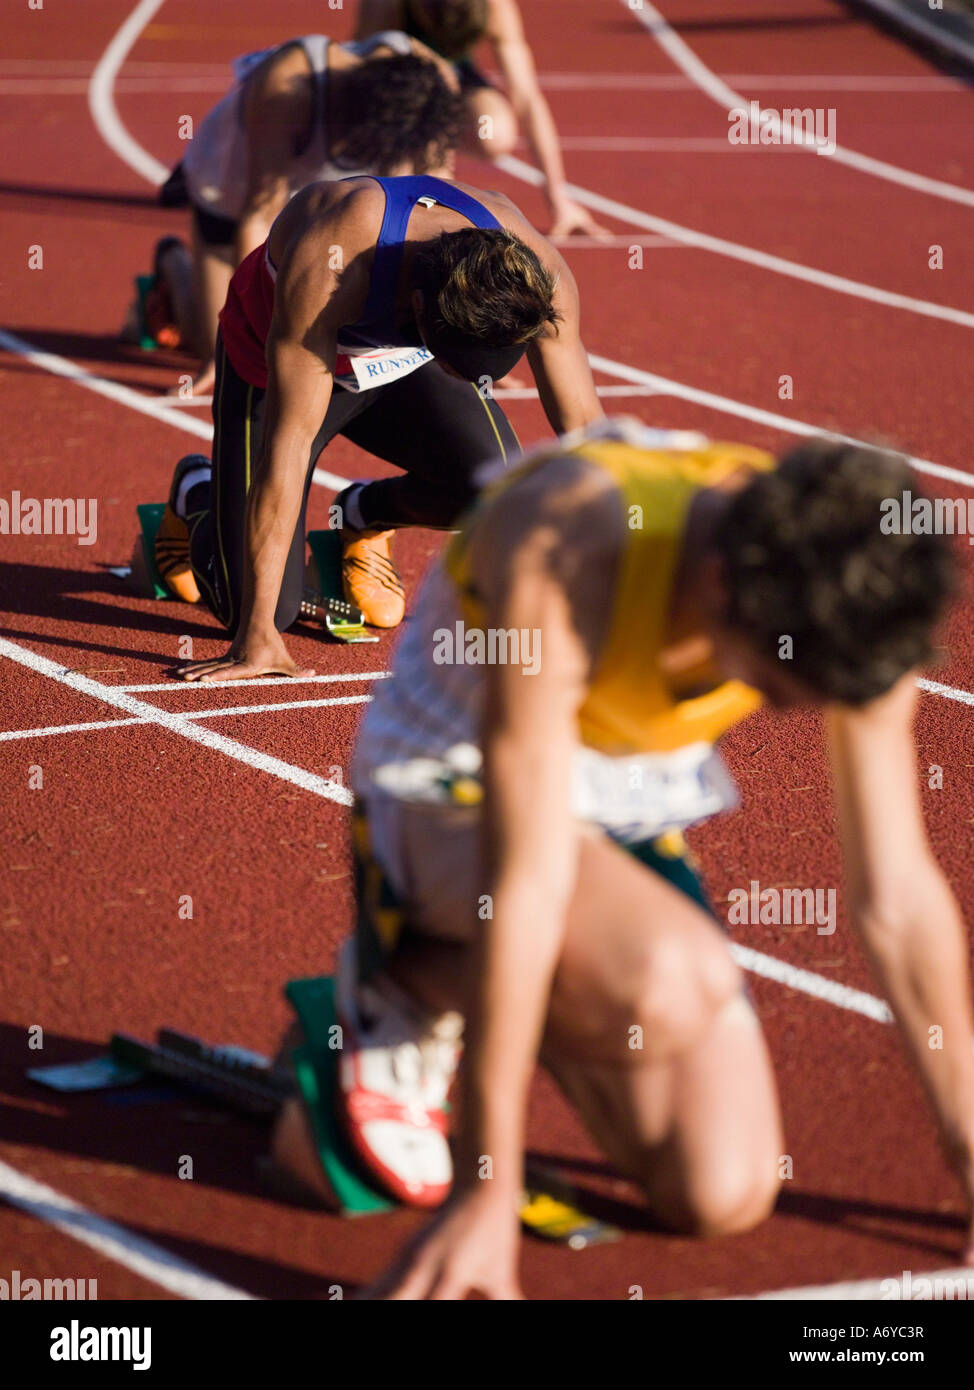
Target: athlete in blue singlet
[{"x": 382, "y": 310}]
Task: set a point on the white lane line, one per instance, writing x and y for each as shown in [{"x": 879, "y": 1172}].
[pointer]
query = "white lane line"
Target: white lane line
[
  {"x": 218, "y": 713},
  {"x": 709, "y": 83},
  {"x": 10, "y": 734},
  {"x": 115, "y": 134},
  {"x": 648, "y": 384},
  {"x": 135, "y": 400},
  {"x": 965, "y": 697},
  {"x": 116, "y": 1242},
  {"x": 113, "y": 390},
  {"x": 101, "y": 101},
  {"x": 181, "y": 724},
  {"x": 807, "y": 982},
  {"x": 894, "y": 1286},
  {"x": 665, "y": 387},
  {"x": 258, "y": 680},
  {"x": 283, "y": 704},
  {"x": 778, "y": 265}
]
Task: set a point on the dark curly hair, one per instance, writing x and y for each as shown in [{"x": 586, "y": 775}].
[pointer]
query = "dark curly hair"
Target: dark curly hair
[
  {"x": 484, "y": 284},
  {"x": 805, "y": 556},
  {"x": 399, "y": 110}
]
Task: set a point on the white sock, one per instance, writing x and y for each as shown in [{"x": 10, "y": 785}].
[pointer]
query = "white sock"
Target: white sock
[{"x": 194, "y": 476}]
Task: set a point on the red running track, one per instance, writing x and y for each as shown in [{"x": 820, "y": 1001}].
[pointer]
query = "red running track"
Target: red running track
[{"x": 135, "y": 815}]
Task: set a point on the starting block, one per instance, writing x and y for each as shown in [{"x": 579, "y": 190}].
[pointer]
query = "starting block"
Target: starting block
[
  {"x": 550, "y": 1207},
  {"x": 239, "y": 1079},
  {"x": 146, "y": 339},
  {"x": 324, "y": 602},
  {"x": 144, "y": 576},
  {"x": 315, "y": 1067}
]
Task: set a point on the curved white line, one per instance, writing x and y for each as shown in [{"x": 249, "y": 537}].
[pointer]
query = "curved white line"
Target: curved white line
[
  {"x": 709, "y": 83},
  {"x": 101, "y": 96},
  {"x": 527, "y": 173},
  {"x": 109, "y": 124}
]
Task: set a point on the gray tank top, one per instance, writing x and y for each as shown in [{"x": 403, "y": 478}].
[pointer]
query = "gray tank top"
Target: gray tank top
[{"x": 215, "y": 165}]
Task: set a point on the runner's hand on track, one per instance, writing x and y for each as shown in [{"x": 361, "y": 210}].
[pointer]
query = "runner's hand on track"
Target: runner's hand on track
[
  {"x": 571, "y": 219},
  {"x": 470, "y": 1247},
  {"x": 268, "y": 657}
]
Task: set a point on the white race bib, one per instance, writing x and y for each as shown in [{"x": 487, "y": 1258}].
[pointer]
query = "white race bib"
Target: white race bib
[
  {"x": 371, "y": 367},
  {"x": 641, "y": 795}
]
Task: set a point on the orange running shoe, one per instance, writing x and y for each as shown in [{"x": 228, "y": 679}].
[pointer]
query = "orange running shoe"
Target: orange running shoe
[
  {"x": 172, "y": 538},
  {"x": 370, "y": 578}
]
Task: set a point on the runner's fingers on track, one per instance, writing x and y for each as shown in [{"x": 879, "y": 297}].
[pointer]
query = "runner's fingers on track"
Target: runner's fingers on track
[
  {"x": 574, "y": 220},
  {"x": 231, "y": 668},
  {"x": 469, "y": 1247},
  {"x": 441, "y": 1282}
]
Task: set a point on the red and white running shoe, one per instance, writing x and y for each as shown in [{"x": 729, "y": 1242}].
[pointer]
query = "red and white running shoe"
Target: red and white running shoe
[{"x": 395, "y": 1070}]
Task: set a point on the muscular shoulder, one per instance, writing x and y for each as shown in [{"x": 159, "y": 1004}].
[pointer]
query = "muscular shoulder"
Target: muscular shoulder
[
  {"x": 322, "y": 244},
  {"x": 337, "y": 219}
]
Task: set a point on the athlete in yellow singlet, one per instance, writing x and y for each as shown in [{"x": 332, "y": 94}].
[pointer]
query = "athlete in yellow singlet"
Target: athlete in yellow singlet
[{"x": 518, "y": 829}]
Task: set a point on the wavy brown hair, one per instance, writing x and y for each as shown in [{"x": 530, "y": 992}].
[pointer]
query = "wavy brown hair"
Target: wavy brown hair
[{"x": 485, "y": 285}]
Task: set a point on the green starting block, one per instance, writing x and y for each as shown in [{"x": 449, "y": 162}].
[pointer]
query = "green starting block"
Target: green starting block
[
  {"x": 325, "y": 601},
  {"x": 143, "y": 284},
  {"x": 144, "y": 575},
  {"x": 315, "y": 1067}
]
